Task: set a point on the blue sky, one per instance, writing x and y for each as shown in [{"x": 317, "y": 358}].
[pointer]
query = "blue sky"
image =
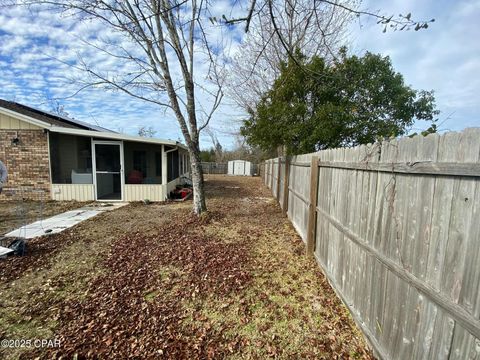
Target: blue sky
[
  {"x": 37, "y": 49},
  {"x": 445, "y": 57}
]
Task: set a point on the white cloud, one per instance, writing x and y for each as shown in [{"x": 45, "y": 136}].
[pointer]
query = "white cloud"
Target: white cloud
[
  {"x": 443, "y": 57},
  {"x": 39, "y": 54},
  {"x": 38, "y": 51}
]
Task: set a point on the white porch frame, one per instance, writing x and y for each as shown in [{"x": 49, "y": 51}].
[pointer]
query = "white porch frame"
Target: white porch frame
[{"x": 94, "y": 167}]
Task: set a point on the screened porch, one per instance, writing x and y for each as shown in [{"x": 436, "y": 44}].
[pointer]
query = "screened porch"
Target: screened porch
[{"x": 87, "y": 168}]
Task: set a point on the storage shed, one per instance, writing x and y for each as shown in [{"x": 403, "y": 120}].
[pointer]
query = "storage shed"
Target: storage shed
[{"x": 240, "y": 168}]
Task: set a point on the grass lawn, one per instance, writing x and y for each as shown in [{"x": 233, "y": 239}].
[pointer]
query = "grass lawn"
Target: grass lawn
[
  {"x": 153, "y": 281},
  {"x": 16, "y": 213}
]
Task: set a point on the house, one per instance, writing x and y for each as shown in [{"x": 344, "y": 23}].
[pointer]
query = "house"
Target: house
[
  {"x": 240, "y": 168},
  {"x": 53, "y": 157}
]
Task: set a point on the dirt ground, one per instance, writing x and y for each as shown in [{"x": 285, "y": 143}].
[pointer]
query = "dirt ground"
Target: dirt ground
[
  {"x": 16, "y": 213},
  {"x": 153, "y": 281}
]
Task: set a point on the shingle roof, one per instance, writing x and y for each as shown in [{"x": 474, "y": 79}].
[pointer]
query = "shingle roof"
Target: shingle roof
[{"x": 52, "y": 119}]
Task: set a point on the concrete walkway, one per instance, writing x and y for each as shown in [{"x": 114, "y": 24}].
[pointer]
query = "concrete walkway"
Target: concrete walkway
[{"x": 60, "y": 222}]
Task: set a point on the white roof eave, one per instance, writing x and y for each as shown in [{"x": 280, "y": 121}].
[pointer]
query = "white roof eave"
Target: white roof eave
[
  {"x": 114, "y": 136},
  {"x": 90, "y": 133}
]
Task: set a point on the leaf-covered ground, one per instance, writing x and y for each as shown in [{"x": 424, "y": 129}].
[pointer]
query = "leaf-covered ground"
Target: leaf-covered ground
[{"x": 153, "y": 281}]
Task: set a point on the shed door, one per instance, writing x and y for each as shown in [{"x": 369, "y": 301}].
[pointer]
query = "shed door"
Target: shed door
[{"x": 239, "y": 168}]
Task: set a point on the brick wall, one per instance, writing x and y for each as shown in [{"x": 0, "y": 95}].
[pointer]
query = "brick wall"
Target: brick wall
[{"x": 27, "y": 164}]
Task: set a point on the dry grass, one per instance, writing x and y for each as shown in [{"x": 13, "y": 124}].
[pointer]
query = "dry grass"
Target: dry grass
[
  {"x": 234, "y": 284},
  {"x": 289, "y": 310},
  {"x": 16, "y": 213},
  {"x": 31, "y": 300}
]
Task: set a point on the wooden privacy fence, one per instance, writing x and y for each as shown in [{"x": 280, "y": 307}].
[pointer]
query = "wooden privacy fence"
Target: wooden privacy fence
[{"x": 396, "y": 229}]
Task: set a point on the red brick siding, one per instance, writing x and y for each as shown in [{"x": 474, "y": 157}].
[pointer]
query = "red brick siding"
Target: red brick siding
[{"x": 27, "y": 164}]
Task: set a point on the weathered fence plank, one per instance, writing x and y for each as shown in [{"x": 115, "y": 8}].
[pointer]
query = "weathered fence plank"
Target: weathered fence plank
[
  {"x": 286, "y": 179},
  {"x": 298, "y": 195},
  {"x": 272, "y": 178},
  {"x": 312, "y": 206},
  {"x": 395, "y": 227}
]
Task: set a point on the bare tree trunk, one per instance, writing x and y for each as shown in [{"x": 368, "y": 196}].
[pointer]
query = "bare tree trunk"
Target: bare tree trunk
[{"x": 199, "y": 204}]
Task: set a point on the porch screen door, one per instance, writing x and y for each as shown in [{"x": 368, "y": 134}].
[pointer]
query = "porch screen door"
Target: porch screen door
[{"x": 108, "y": 171}]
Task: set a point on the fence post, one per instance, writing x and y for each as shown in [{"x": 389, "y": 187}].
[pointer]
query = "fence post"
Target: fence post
[
  {"x": 286, "y": 181},
  {"x": 279, "y": 174},
  {"x": 312, "y": 209}
]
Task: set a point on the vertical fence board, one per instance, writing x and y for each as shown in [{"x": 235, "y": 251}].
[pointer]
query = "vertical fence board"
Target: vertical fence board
[
  {"x": 321, "y": 238},
  {"x": 367, "y": 218},
  {"x": 272, "y": 174},
  {"x": 312, "y": 212},
  {"x": 375, "y": 270},
  {"x": 286, "y": 180}
]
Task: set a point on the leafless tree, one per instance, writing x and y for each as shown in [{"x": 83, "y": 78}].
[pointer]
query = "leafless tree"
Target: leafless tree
[
  {"x": 145, "y": 131},
  {"x": 276, "y": 29},
  {"x": 243, "y": 151},
  {"x": 216, "y": 144},
  {"x": 314, "y": 27},
  {"x": 57, "y": 108},
  {"x": 159, "y": 41}
]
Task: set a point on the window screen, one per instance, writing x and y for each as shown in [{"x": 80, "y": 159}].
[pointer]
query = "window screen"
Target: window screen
[
  {"x": 71, "y": 159},
  {"x": 172, "y": 161},
  {"x": 140, "y": 161},
  {"x": 158, "y": 163}
]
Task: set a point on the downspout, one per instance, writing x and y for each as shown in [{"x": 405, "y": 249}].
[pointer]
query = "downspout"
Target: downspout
[{"x": 175, "y": 148}]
